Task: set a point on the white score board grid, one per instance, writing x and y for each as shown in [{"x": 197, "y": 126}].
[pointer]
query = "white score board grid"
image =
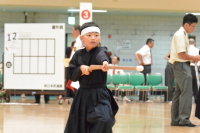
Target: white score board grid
[{"x": 36, "y": 56}]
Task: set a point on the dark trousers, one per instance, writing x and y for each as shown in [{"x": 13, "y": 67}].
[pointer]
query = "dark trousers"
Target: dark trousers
[
  {"x": 37, "y": 98},
  {"x": 194, "y": 82},
  {"x": 169, "y": 80},
  {"x": 197, "y": 111},
  {"x": 147, "y": 69}
]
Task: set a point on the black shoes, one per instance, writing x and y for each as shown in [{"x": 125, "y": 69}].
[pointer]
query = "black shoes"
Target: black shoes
[
  {"x": 184, "y": 125},
  {"x": 187, "y": 125}
]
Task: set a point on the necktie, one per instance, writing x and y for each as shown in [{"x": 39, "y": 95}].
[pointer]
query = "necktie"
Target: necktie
[{"x": 113, "y": 71}]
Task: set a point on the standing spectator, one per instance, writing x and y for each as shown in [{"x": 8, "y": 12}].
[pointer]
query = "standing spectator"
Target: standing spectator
[
  {"x": 179, "y": 57},
  {"x": 193, "y": 65},
  {"x": 144, "y": 58},
  {"x": 169, "y": 77},
  {"x": 68, "y": 50},
  {"x": 68, "y": 53},
  {"x": 78, "y": 43},
  {"x": 37, "y": 98}
]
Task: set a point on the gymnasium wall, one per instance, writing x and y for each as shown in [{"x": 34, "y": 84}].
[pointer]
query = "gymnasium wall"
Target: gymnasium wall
[{"x": 134, "y": 28}]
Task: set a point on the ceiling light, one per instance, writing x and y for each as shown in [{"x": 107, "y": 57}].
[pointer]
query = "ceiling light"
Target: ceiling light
[
  {"x": 99, "y": 10},
  {"x": 194, "y": 13},
  {"x": 71, "y": 20},
  {"x": 77, "y": 10},
  {"x": 73, "y": 10}
]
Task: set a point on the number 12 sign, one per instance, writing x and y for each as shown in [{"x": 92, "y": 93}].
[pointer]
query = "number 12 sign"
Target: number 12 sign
[
  {"x": 85, "y": 13},
  {"x": 11, "y": 42}
]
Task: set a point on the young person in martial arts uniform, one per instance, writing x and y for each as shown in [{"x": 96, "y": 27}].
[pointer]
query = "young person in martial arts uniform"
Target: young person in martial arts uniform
[
  {"x": 94, "y": 108},
  {"x": 179, "y": 57}
]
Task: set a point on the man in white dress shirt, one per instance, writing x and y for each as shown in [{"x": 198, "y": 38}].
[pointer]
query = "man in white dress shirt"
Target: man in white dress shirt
[
  {"x": 193, "y": 65},
  {"x": 115, "y": 61},
  {"x": 144, "y": 58}
]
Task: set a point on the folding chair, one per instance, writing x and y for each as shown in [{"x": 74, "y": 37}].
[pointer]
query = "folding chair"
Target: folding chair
[
  {"x": 137, "y": 80},
  {"x": 118, "y": 79},
  {"x": 108, "y": 83},
  {"x": 155, "y": 80}
]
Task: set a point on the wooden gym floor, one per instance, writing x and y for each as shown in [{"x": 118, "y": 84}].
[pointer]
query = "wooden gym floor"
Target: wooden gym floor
[{"x": 51, "y": 118}]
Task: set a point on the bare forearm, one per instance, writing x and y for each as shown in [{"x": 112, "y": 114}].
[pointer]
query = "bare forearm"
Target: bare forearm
[
  {"x": 139, "y": 58},
  {"x": 166, "y": 58},
  {"x": 185, "y": 56}
]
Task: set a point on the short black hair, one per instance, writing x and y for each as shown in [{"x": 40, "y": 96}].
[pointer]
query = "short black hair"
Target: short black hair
[
  {"x": 117, "y": 57},
  {"x": 88, "y": 24},
  {"x": 77, "y": 27},
  {"x": 149, "y": 40},
  {"x": 190, "y": 18}
]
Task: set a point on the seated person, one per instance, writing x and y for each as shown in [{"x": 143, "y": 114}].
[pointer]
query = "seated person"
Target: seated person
[{"x": 115, "y": 61}]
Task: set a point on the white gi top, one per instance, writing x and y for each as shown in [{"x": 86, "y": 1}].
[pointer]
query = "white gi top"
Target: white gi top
[
  {"x": 78, "y": 45},
  {"x": 180, "y": 43},
  {"x": 146, "y": 54},
  {"x": 193, "y": 51}
]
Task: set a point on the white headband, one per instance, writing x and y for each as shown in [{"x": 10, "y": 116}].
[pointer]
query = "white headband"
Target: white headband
[{"x": 90, "y": 29}]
